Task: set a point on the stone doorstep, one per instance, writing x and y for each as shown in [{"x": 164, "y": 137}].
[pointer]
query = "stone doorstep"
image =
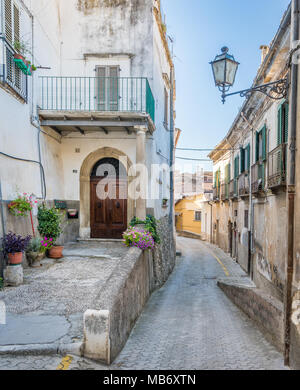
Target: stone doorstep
[{"x": 102, "y": 240}]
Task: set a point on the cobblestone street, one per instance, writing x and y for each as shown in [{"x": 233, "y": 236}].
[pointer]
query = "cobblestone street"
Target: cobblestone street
[{"x": 188, "y": 324}]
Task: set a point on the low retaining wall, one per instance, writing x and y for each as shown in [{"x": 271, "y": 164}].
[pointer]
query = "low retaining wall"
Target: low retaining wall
[
  {"x": 190, "y": 235},
  {"x": 266, "y": 311},
  {"x": 122, "y": 300}
]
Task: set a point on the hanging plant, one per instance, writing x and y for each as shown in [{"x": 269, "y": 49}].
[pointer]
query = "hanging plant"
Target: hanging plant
[{"x": 21, "y": 206}]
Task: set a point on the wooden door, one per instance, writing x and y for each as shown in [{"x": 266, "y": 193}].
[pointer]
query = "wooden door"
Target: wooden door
[{"x": 109, "y": 216}]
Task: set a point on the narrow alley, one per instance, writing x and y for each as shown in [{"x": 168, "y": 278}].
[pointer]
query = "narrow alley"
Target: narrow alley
[{"x": 189, "y": 324}]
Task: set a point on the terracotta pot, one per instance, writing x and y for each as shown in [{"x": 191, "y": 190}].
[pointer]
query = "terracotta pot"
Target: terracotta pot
[
  {"x": 55, "y": 252},
  {"x": 18, "y": 56},
  {"x": 15, "y": 258}
]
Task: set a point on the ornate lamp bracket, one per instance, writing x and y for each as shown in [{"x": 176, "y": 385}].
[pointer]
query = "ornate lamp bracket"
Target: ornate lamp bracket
[{"x": 276, "y": 90}]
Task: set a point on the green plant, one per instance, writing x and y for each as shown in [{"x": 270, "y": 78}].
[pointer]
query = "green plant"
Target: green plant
[
  {"x": 21, "y": 47},
  {"x": 20, "y": 206},
  {"x": 150, "y": 225},
  {"x": 50, "y": 221},
  {"x": 138, "y": 238},
  {"x": 1, "y": 283},
  {"x": 35, "y": 245}
]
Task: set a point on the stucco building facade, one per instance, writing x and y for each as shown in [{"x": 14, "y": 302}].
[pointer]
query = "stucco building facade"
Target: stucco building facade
[{"x": 100, "y": 94}]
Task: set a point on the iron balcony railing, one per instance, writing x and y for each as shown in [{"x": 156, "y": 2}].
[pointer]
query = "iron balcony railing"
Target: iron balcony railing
[
  {"x": 258, "y": 177},
  {"x": 244, "y": 184},
  {"x": 233, "y": 189},
  {"x": 10, "y": 74},
  {"x": 277, "y": 162},
  {"x": 125, "y": 94}
]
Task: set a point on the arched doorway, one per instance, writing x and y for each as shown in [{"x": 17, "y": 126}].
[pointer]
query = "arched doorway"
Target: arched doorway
[{"x": 108, "y": 199}]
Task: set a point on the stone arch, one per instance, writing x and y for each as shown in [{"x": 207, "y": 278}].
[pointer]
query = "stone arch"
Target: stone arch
[{"x": 85, "y": 176}]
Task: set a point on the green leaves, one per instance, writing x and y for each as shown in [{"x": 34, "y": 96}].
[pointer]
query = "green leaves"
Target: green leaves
[
  {"x": 150, "y": 225},
  {"x": 49, "y": 222}
]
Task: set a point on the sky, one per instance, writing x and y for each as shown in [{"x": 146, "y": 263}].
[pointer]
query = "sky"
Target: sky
[{"x": 200, "y": 28}]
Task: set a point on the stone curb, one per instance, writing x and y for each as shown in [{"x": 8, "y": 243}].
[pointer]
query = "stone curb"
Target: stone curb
[{"x": 42, "y": 349}]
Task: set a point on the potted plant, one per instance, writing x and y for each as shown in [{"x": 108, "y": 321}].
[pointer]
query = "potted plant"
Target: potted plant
[
  {"x": 14, "y": 246},
  {"x": 21, "y": 49},
  {"x": 20, "y": 206},
  {"x": 49, "y": 227},
  {"x": 35, "y": 252}
]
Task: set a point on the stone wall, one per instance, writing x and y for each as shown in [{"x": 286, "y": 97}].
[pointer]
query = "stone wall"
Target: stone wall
[
  {"x": 165, "y": 253},
  {"x": 264, "y": 310}
]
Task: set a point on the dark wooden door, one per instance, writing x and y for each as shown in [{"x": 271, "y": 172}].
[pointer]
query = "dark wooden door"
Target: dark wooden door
[{"x": 109, "y": 216}]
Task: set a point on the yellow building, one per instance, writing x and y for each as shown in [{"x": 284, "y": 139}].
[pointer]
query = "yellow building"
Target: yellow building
[{"x": 189, "y": 214}]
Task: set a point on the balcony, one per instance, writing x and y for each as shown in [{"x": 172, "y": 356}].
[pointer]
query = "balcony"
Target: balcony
[
  {"x": 225, "y": 191},
  {"x": 258, "y": 177},
  {"x": 216, "y": 194},
  {"x": 233, "y": 189},
  {"x": 11, "y": 77},
  {"x": 87, "y": 102},
  {"x": 277, "y": 161},
  {"x": 244, "y": 184}
]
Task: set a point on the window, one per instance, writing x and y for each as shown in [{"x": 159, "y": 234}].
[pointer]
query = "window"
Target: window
[
  {"x": 245, "y": 158},
  {"x": 12, "y": 22},
  {"x": 166, "y": 116},
  {"x": 198, "y": 216},
  {"x": 261, "y": 150},
  {"x": 246, "y": 219},
  {"x": 107, "y": 88},
  {"x": 283, "y": 123},
  {"x": 236, "y": 167}
]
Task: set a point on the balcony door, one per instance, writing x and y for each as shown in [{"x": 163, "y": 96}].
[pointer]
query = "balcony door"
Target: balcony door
[{"x": 107, "y": 88}]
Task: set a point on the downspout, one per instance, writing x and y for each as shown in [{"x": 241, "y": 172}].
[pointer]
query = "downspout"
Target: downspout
[
  {"x": 251, "y": 203},
  {"x": 291, "y": 182},
  {"x": 171, "y": 215},
  {"x": 211, "y": 222}
]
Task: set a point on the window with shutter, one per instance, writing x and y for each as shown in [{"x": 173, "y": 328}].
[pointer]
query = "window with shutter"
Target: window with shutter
[
  {"x": 242, "y": 154},
  {"x": 286, "y": 123},
  {"x": 16, "y": 24},
  {"x": 264, "y": 143},
  {"x": 8, "y": 20},
  {"x": 248, "y": 149},
  {"x": 279, "y": 126},
  {"x": 166, "y": 108},
  {"x": 107, "y": 88}
]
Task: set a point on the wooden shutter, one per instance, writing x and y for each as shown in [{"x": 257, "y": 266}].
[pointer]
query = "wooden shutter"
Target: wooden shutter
[
  {"x": 279, "y": 126},
  {"x": 248, "y": 157},
  {"x": 16, "y": 24},
  {"x": 100, "y": 86},
  {"x": 257, "y": 147},
  {"x": 236, "y": 167},
  {"x": 242, "y": 154},
  {"x": 286, "y": 123},
  {"x": 8, "y": 20},
  {"x": 113, "y": 87},
  {"x": 264, "y": 143}
]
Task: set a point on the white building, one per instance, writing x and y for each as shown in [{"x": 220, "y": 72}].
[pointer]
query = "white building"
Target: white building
[{"x": 101, "y": 94}]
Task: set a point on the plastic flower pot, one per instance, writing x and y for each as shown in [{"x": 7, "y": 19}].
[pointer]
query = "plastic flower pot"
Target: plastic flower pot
[
  {"x": 15, "y": 258},
  {"x": 55, "y": 252}
]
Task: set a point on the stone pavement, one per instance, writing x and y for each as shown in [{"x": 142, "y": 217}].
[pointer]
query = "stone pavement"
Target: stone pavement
[
  {"x": 188, "y": 324},
  {"x": 49, "y": 306}
]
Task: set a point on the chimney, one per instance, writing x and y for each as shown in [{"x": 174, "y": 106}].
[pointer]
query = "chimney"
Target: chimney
[{"x": 264, "y": 52}]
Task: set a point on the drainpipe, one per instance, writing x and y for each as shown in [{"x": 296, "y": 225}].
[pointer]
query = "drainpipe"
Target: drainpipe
[
  {"x": 171, "y": 216},
  {"x": 211, "y": 222},
  {"x": 291, "y": 179},
  {"x": 2, "y": 265},
  {"x": 251, "y": 203}
]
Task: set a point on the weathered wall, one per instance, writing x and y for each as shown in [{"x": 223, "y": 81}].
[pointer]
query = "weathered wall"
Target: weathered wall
[{"x": 267, "y": 312}]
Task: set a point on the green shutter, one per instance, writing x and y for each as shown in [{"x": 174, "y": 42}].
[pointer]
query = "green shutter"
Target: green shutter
[
  {"x": 286, "y": 122},
  {"x": 236, "y": 167},
  {"x": 257, "y": 147},
  {"x": 229, "y": 172},
  {"x": 242, "y": 154},
  {"x": 279, "y": 126},
  {"x": 248, "y": 157},
  {"x": 264, "y": 143}
]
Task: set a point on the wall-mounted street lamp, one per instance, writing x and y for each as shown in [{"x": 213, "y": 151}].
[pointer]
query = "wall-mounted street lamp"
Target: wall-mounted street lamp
[{"x": 225, "y": 68}]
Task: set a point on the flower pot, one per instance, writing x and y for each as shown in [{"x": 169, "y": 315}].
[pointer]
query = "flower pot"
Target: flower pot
[
  {"x": 56, "y": 252},
  {"x": 15, "y": 258},
  {"x": 18, "y": 56},
  {"x": 34, "y": 259}
]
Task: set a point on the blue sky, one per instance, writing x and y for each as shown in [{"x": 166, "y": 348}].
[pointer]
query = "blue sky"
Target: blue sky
[{"x": 200, "y": 28}]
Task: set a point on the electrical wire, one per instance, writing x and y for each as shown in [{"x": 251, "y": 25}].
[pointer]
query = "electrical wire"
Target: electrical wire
[
  {"x": 193, "y": 159},
  {"x": 31, "y": 161}
]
